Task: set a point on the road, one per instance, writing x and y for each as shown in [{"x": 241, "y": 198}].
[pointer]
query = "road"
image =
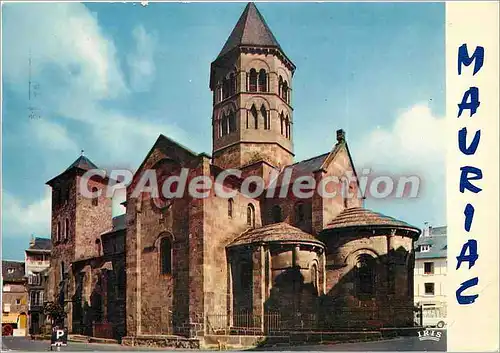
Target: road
[{"x": 397, "y": 344}]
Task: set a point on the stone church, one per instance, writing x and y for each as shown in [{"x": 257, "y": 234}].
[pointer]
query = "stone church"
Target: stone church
[{"x": 194, "y": 267}]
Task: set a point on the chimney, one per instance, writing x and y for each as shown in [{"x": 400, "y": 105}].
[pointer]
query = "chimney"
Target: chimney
[
  {"x": 340, "y": 135},
  {"x": 427, "y": 229}
]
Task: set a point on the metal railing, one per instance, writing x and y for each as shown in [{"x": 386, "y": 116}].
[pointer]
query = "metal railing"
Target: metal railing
[{"x": 362, "y": 318}]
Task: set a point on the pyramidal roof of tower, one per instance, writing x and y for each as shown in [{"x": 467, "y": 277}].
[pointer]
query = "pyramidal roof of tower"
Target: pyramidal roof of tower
[
  {"x": 82, "y": 162},
  {"x": 251, "y": 29}
]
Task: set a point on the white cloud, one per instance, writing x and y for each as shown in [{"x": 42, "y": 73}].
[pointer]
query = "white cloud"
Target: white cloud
[
  {"x": 77, "y": 68},
  {"x": 19, "y": 219},
  {"x": 141, "y": 61},
  {"x": 415, "y": 141},
  {"x": 61, "y": 35},
  {"x": 52, "y": 136},
  {"x": 413, "y": 146}
]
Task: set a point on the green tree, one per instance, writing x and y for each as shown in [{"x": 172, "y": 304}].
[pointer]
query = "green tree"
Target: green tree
[{"x": 55, "y": 312}]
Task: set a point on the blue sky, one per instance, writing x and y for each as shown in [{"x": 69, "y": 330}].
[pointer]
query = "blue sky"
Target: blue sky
[{"x": 113, "y": 76}]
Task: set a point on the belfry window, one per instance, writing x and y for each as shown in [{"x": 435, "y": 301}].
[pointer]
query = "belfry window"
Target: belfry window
[
  {"x": 66, "y": 229},
  {"x": 265, "y": 117},
  {"x": 251, "y": 215},
  {"x": 287, "y": 127},
  {"x": 262, "y": 81},
  {"x": 58, "y": 231},
  {"x": 232, "y": 84},
  {"x": 255, "y": 117},
  {"x": 226, "y": 84},
  {"x": 277, "y": 214},
  {"x": 224, "y": 125},
  {"x": 252, "y": 81},
  {"x": 232, "y": 122},
  {"x": 284, "y": 92},
  {"x": 282, "y": 121},
  {"x": 166, "y": 256},
  {"x": 280, "y": 86}
]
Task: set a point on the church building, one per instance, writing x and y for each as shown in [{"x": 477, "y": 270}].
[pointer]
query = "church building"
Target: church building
[{"x": 194, "y": 267}]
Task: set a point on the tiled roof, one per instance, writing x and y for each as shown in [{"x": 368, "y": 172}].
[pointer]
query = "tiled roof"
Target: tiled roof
[
  {"x": 82, "y": 162},
  {"x": 277, "y": 232},
  {"x": 437, "y": 240},
  {"x": 251, "y": 29},
  {"x": 40, "y": 244},
  {"x": 12, "y": 271},
  {"x": 358, "y": 217}
]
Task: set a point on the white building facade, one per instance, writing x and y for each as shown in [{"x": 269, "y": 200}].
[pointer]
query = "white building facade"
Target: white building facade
[{"x": 430, "y": 275}]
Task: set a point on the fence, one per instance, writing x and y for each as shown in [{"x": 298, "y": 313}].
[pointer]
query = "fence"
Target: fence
[{"x": 342, "y": 319}]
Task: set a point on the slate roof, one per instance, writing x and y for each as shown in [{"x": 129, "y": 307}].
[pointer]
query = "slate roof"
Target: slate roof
[
  {"x": 82, "y": 162},
  {"x": 302, "y": 168},
  {"x": 358, "y": 217},
  {"x": 12, "y": 271},
  {"x": 119, "y": 223},
  {"x": 277, "y": 232},
  {"x": 438, "y": 244},
  {"x": 251, "y": 29},
  {"x": 44, "y": 244}
]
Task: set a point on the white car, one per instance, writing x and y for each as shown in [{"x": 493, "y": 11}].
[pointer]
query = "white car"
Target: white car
[{"x": 438, "y": 322}]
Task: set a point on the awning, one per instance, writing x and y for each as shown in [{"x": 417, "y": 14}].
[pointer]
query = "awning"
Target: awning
[{"x": 108, "y": 265}]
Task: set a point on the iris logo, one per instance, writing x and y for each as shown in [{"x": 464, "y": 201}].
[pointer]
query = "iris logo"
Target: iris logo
[{"x": 429, "y": 335}]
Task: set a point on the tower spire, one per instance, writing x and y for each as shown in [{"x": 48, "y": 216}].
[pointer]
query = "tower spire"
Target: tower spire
[{"x": 251, "y": 29}]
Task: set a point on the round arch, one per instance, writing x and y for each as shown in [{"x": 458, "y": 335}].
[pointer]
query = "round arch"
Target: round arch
[
  {"x": 353, "y": 257},
  {"x": 258, "y": 64}
]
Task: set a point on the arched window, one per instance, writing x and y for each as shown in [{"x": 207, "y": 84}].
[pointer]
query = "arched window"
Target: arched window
[
  {"x": 314, "y": 276},
  {"x": 166, "y": 256},
  {"x": 276, "y": 214},
  {"x": 226, "y": 84},
  {"x": 224, "y": 125},
  {"x": 366, "y": 275},
  {"x": 262, "y": 81},
  {"x": 255, "y": 117},
  {"x": 63, "y": 271},
  {"x": 232, "y": 84},
  {"x": 265, "y": 117},
  {"x": 287, "y": 127},
  {"x": 232, "y": 122},
  {"x": 299, "y": 213},
  {"x": 230, "y": 204},
  {"x": 95, "y": 198},
  {"x": 282, "y": 120},
  {"x": 251, "y": 215},
  {"x": 285, "y": 92},
  {"x": 66, "y": 235},
  {"x": 280, "y": 86},
  {"x": 58, "y": 234},
  {"x": 252, "y": 81}
]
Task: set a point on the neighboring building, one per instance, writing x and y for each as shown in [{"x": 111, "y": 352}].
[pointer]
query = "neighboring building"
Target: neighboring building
[
  {"x": 430, "y": 274},
  {"x": 192, "y": 266},
  {"x": 37, "y": 262},
  {"x": 14, "y": 299}
]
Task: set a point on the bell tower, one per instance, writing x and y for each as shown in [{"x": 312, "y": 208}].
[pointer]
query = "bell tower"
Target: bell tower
[{"x": 251, "y": 81}]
